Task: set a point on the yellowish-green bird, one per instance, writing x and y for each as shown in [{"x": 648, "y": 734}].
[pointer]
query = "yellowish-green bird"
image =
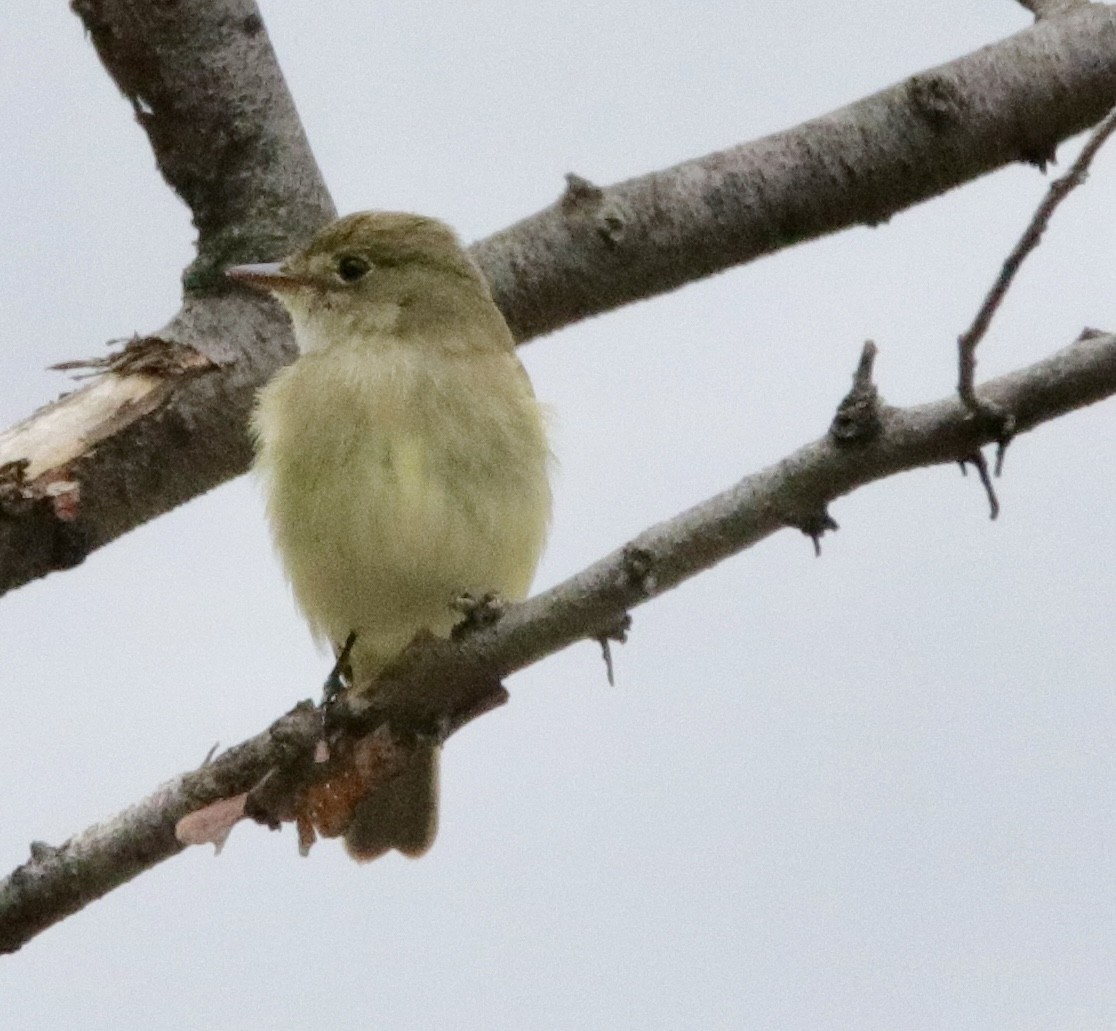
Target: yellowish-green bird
[{"x": 404, "y": 457}]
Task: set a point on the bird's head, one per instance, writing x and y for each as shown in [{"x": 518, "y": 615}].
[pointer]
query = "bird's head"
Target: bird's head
[{"x": 374, "y": 272}]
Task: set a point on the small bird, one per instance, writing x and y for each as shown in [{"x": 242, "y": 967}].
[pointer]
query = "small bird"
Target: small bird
[{"x": 404, "y": 457}]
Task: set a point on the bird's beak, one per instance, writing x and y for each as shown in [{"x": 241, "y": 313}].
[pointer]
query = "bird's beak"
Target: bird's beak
[{"x": 264, "y": 276}]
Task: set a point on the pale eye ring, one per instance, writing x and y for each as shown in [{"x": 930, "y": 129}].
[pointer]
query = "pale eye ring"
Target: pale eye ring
[{"x": 351, "y": 267}]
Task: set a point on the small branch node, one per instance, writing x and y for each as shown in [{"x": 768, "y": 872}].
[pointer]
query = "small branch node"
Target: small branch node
[
  {"x": 270, "y": 803},
  {"x": 586, "y": 202},
  {"x": 16, "y": 495},
  {"x": 993, "y": 416},
  {"x": 618, "y": 633},
  {"x": 42, "y": 852},
  {"x": 1041, "y": 155},
  {"x": 611, "y": 225},
  {"x": 639, "y": 569},
  {"x": 858, "y": 415},
  {"x": 816, "y": 526},
  {"x": 936, "y": 99},
  {"x": 477, "y": 613},
  {"x": 579, "y": 194},
  {"x": 980, "y": 463}
]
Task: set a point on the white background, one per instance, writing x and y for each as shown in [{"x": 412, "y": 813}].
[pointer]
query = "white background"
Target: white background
[{"x": 873, "y": 790}]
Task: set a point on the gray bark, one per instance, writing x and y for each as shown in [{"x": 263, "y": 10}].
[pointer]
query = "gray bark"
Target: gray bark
[
  {"x": 204, "y": 84},
  {"x": 448, "y": 682}
]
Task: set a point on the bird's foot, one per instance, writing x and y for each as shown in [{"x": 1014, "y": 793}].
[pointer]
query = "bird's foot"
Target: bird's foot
[
  {"x": 341, "y": 676},
  {"x": 476, "y": 613}
]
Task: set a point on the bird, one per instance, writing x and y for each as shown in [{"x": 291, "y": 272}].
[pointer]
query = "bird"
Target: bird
[{"x": 404, "y": 459}]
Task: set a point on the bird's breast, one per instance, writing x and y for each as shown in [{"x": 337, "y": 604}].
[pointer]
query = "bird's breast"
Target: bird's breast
[{"x": 397, "y": 482}]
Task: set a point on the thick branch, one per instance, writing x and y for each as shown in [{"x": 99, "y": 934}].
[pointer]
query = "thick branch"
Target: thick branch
[
  {"x": 442, "y": 677},
  {"x": 169, "y": 422},
  {"x": 598, "y": 249},
  {"x": 205, "y": 86}
]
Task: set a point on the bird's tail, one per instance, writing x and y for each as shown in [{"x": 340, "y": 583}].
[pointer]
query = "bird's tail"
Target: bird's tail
[{"x": 403, "y": 814}]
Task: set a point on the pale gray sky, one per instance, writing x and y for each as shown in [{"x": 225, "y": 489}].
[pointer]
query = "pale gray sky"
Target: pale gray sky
[{"x": 870, "y": 791}]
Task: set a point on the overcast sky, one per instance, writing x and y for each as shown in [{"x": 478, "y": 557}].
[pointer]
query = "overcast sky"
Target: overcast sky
[{"x": 870, "y": 790}]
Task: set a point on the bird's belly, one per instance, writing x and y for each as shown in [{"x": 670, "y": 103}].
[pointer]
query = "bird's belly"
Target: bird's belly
[{"x": 379, "y": 536}]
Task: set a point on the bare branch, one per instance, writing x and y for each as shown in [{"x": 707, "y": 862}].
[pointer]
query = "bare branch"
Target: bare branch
[
  {"x": 1032, "y": 236},
  {"x": 598, "y": 248},
  {"x": 980, "y": 463},
  {"x": 204, "y": 83},
  {"x": 60, "y": 881},
  {"x": 205, "y": 86},
  {"x": 438, "y": 678},
  {"x": 136, "y": 444}
]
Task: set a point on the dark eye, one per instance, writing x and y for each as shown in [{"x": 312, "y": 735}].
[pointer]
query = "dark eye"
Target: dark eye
[{"x": 351, "y": 268}]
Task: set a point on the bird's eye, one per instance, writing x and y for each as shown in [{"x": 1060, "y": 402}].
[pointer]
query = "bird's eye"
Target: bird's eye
[{"x": 351, "y": 268}]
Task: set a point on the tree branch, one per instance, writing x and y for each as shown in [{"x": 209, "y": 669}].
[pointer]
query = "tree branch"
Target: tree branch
[
  {"x": 167, "y": 422},
  {"x": 205, "y": 86},
  {"x": 597, "y": 249},
  {"x": 441, "y": 677},
  {"x": 1058, "y": 191}
]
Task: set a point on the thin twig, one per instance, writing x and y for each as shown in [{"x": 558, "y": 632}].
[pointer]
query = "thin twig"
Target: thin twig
[
  {"x": 968, "y": 341},
  {"x": 980, "y": 463},
  {"x": 858, "y": 415},
  {"x": 606, "y": 654},
  {"x": 619, "y": 634}
]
